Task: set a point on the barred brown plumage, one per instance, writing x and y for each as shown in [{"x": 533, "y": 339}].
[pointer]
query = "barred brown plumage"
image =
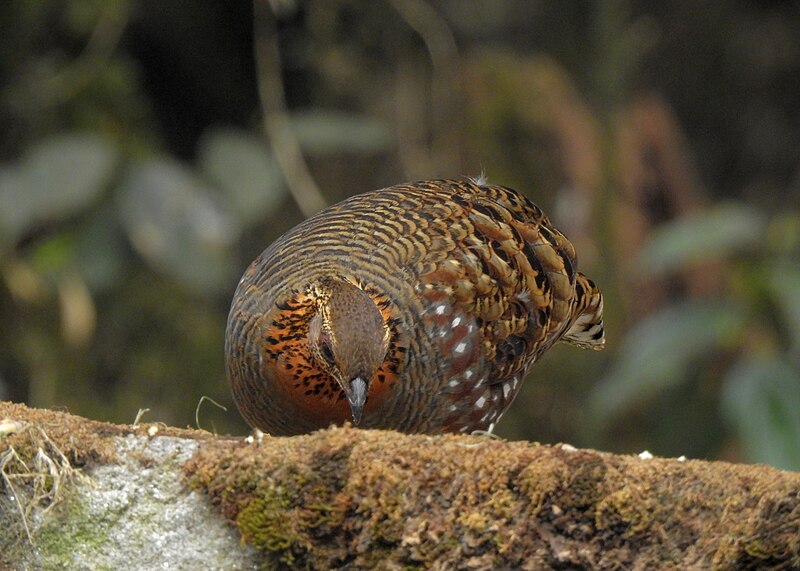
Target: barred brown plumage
[{"x": 418, "y": 307}]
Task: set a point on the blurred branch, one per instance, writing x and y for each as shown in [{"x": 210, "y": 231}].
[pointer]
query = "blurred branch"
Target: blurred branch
[
  {"x": 409, "y": 109},
  {"x": 432, "y": 29},
  {"x": 441, "y": 46},
  {"x": 39, "y": 93},
  {"x": 277, "y": 125},
  {"x": 658, "y": 183}
]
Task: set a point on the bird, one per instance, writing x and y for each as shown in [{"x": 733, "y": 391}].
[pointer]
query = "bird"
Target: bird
[{"x": 417, "y": 308}]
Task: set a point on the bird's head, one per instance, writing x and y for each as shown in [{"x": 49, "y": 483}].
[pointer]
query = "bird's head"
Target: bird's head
[{"x": 348, "y": 338}]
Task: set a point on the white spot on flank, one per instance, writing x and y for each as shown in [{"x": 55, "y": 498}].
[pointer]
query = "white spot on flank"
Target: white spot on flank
[
  {"x": 461, "y": 347},
  {"x": 452, "y": 408},
  {"x": 481, "y": 402},
  {"x": 506, "y": 390},
  {"x": 468, "y": 374},
  {"x": 454, "y": 382},
  {"x": 440, "y": 309},
  {"x": 456, "y": 321}
]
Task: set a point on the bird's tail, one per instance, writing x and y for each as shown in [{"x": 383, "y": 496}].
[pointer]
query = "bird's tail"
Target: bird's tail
[{"x": 587, "y": 329}]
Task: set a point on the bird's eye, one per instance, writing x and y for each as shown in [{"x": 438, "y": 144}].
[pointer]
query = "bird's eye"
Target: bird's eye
[{"x": 326, "y": 352}]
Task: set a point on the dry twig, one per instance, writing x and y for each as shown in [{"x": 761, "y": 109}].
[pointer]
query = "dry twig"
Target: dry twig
[{"x": 277, "y": 125}]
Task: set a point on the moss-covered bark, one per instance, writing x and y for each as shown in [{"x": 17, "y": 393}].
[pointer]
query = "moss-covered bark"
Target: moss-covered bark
[{"x": 346, "y": 498}]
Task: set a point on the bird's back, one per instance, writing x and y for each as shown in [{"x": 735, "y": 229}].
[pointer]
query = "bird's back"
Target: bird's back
[{"x": 474, "y": 283}]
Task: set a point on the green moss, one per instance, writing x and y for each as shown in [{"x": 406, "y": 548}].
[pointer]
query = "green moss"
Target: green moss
[
  {"x": 756, "y": 549},
  {"x": 346, "y": 498},
  {"x": 586, "y": 482},
  {"x": 69, "y": 525},
  {"x": 266, "y": 524},
  {"x": 281, "y": 514}
]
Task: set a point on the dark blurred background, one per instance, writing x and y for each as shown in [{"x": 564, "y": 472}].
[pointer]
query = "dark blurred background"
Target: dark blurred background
[{"x": 150, "y": 150}]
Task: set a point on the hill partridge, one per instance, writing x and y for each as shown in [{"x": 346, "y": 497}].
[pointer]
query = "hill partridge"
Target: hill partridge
[{"x": 418, "y": 308}]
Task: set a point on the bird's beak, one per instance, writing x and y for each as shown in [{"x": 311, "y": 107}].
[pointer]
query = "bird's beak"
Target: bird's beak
[{"x": 357, "y": 396}]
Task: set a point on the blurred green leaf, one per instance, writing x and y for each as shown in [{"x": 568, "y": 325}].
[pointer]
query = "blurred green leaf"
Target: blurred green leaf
[
  {"x": 173, "y": 221},
  {"x": 783, "y": 234},
  {"x": 100, "y": 252},
  {"x": 12, "y": 218},
  {"x": 52, "y": 254},
  {"x": 712, "y": 234},
  {"x": 784, "y": 283},
  {"x": 330, "y": 132},
  {"x": 56, "y": 179},
  {"x": 245, "y": 170},
  {"x": 761, "y": 398},
  {"x": 656, "y": 352}
]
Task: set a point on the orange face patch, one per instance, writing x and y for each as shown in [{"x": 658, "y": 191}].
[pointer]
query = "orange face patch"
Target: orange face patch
[{"x": 289, "y": 365}]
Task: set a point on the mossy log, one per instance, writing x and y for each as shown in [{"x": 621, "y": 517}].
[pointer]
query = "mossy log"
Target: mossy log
[{"x": 81, "y": 494}]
